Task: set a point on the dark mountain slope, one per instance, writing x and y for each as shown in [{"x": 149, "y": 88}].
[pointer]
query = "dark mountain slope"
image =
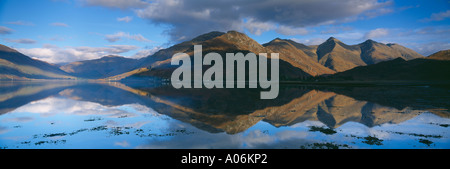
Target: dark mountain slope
[
  {"x": 100, "y": 68},
  {"x": 14, "y": 64},
  {"x": 398, "y": 70}
]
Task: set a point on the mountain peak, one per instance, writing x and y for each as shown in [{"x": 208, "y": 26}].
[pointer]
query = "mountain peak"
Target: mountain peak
[
  {"x": 233, "y": 32},
  {"x": 277, "y": 40},
  {"x": 333, "y": 39},
  {"x": 331, "y": 42},
  {"x": 207, "y": 36},
  {"x": 112, "y": 56},
  {"x": 238, "y": 37},
  {"x": 369, "y": 41}
]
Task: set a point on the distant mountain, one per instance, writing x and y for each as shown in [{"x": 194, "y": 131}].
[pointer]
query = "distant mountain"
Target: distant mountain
[
  {"x": 441, "y": 55},
  {"x": 339, "y": 56},
  {"x": 373, "y": 52},
  {"x": 15, "y": 65},
  {"x": 431, "y": 69},
  {"x": 100, "y": 68}
]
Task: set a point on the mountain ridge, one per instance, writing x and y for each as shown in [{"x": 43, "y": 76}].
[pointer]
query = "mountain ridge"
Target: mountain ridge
[
  {"x": 15, "y": 65},
  {"x": 397, "y": 70},
  {"x": 441, "y": 55},
  {"x": 334, "y": 55},
  {"x": 299, "y": 61},
  {"x": 106, "y": 66},
  {"x": 297, "y": 57}
]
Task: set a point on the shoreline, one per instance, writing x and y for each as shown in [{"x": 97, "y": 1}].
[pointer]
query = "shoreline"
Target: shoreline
[{"x": 318, "y": 83}]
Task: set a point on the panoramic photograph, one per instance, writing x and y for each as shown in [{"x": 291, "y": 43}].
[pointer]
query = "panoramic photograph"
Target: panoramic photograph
[{"x": 224, "y": 74}]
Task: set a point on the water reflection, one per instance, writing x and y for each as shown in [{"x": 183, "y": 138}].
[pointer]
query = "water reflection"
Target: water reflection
[{"x": 133, "y": 115}]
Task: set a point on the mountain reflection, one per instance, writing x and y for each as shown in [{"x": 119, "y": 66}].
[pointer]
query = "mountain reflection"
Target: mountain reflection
[{"x": 236, "y": 110}]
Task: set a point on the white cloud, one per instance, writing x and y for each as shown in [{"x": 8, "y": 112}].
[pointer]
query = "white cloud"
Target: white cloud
[
  {"x": 185, "y": 19},
  {"x": 313, "y": 41},
  {"x": 287, "y": 30},
  {"x": 23, "y": 23},
  {"x": 376, "y": 33},
  {"x": 258, "y": 28},
  {"x": 112, "y": 49},
  {"x": 432, "y": 38},
  {"x": 5, "y": 30},
  {"x": 147, "y": 52},
  {"x": 49, "y": 46},
  {"x": 438, "y": 16},
  {"x": 122, "y": 4},
  {"x": 427, "y": 49},
  {"x": 119, "y": 35},
  {"x": 57, "y": 38},
  {"x": 22, "y": 41},
  {"x": 59, "y": 24},
  {"x": 192, "y": 18},
  {"x": 125, "y": 19},
  {"x": 378, "y": 12},
  {"x": 354, "y": 35},
  {"x": 53, "y": 54},
  {"x": 336, "y": 29}
]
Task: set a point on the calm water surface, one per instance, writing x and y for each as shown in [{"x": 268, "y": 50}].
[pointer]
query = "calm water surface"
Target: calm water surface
[{"x": 138, "y": 115}]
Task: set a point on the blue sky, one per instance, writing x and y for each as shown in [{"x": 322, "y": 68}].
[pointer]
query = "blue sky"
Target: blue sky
[{"x": 72, "y": 30}]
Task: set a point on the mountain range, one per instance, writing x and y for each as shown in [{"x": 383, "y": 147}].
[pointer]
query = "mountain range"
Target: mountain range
[
  {"x": 433, "y": 68},
  {"x": 332, "y": 59},
  {"x": 100, "y": 68}
]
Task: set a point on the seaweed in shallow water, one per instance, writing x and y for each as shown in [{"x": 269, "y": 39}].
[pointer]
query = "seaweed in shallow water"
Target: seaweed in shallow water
[
  {"x": 371, "y": 140},
  {"x": 323, "y": 130}
]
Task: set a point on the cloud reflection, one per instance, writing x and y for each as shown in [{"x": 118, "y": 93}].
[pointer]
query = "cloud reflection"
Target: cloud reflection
[{"x": 55, "y": 105}]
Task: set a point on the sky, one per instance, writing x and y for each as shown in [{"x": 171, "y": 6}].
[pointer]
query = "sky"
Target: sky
[{"x": 61, "y": 31}]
